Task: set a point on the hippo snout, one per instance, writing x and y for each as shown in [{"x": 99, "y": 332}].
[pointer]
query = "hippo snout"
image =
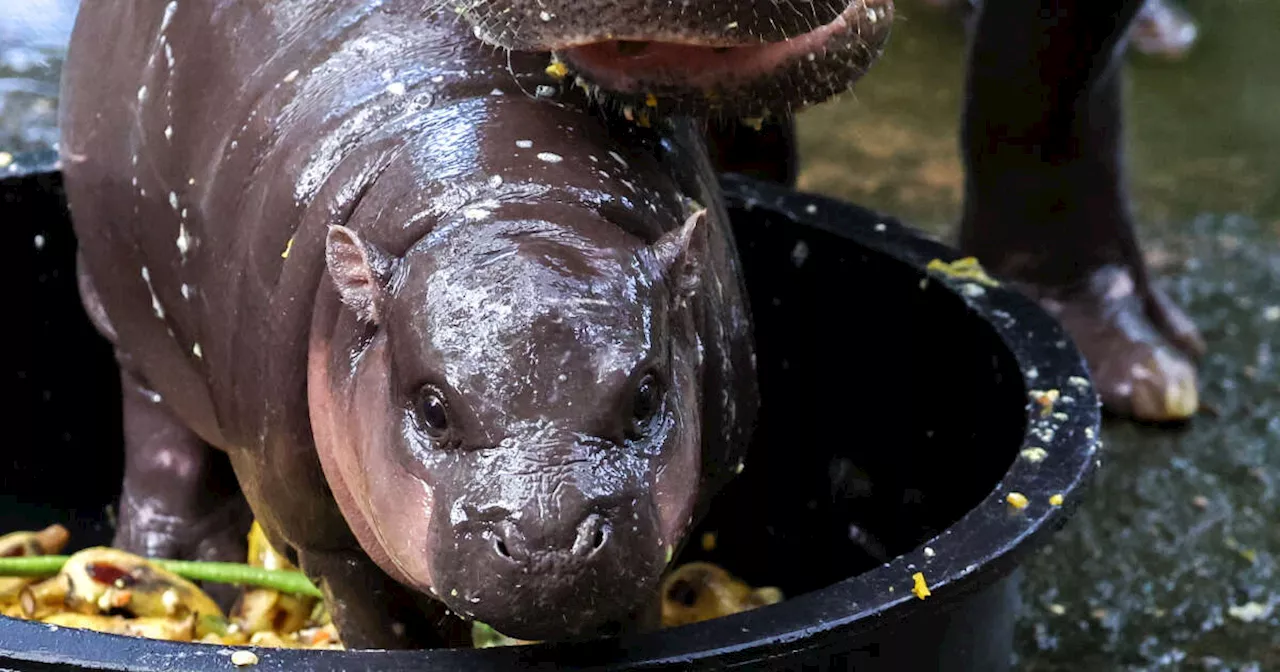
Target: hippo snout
[
  {"x": 539, "y": 577},
  {"x": 589, "y": 538}
]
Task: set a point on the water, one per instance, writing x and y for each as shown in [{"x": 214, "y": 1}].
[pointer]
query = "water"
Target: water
[
  {"x": 1176, "y": 551},
  {"x": 33, "y": 36}
]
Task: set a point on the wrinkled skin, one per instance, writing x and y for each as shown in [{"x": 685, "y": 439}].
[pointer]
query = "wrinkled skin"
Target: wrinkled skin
[
  {"x": 463, "y": 351},
  {"x": 1046, "y": 205},
  {"x": 731, "y": 59}
]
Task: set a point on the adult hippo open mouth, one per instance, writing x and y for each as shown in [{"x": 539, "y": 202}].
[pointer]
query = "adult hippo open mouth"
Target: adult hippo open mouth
[{"x": 740, "y": 58}]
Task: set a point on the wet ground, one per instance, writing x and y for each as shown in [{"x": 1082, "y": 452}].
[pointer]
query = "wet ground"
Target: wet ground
[{"x": 1172, "y": 564}]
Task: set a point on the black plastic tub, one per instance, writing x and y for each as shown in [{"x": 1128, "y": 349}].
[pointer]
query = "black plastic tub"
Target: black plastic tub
[{"x": 902, "y": 406}]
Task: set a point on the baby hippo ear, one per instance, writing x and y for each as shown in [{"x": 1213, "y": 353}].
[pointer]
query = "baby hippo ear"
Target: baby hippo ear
[
  {"x": 678, "y": 256},
  {"x": 359, "y": 271}
]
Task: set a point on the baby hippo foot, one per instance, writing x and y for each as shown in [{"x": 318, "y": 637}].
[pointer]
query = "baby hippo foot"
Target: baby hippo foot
[
  {"x": 180, "y": 498},
  {"x": 1139, "y": 346},
  {"x": 1164, "y": 30},
  {"x": 146, "y": 529}
]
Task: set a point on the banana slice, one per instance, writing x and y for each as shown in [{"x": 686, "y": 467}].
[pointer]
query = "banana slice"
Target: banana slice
[
  {"x": 105, "y": 580},
  {"x": 48, "y": 541},
  {"x": 44, "y": 598},
  {"x": 701, "y": 591},
  {"x": 172, "y": 629},
  {"x": 264, "y": 610}
]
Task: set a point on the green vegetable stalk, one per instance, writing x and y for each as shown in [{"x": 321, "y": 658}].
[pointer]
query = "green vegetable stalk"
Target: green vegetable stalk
[{"x": 285, "y": 581}]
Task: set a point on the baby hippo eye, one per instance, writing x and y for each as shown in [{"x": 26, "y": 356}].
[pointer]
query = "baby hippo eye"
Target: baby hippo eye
[
  {"x": 647, "y": 401},
  {"x": 433, "y": 415}
]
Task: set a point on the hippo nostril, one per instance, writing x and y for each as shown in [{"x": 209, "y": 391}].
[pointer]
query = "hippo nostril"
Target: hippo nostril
[
  {"x": 500, "y": 547},
  {"x": 593, "y": 533}
]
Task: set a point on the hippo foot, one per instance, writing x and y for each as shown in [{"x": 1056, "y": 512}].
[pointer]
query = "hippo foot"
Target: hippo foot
[
  {"x": 372, "y": 611},
  {"x": 1164, "y": 30},
  {"x": 1140, "y": 347},
  {"x": 216, "y": 536},
  {"x": 180, "y": 498}
]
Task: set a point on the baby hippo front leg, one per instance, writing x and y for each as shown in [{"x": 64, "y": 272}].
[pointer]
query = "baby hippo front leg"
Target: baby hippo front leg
[{"x": 180, "y": 498}]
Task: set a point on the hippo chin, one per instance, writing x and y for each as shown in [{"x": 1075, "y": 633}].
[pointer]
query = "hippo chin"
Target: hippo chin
[
  {"x": 752, "y": 58},
  {"x": 464, "y": 352}
]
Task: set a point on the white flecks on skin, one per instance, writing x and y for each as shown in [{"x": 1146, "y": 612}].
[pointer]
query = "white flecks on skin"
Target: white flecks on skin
[
  {"x": 197, "y": 351},
  {"x": 142, "y": 93},
  {"x": 437, "y": 79},
  {"x": 39, "y": 242},
  {"x": 155, "y": 397},
  {"x": 550, "y": 157},
  {"x": 811, "y": 209},
  {"x": 184, "y": 213},
  {"x": 173, "y": 200},
  {"x": 546, "y": 16},
  {"x": 495, "y": 181},
  {"x": 169, "y": 10},
  {"x": 135, "y": 159},
  {"x": 155, "y": 300},
  {"x": 183, "y": 241},
  {"x": 396, "y": 88},
  {"x": 593, "y": 158},
  {"x": 388, "y": 75},
  {"x": 186, "y": 291},
  {"x": 142, "y": 192},
  {"x": 496, "y": 92},
  {"x": 524, "y": 144},
  {"x": 191, "y": 181},
  {"x": 293, "y": 74},
  {"x": 619, "y": 159},
  {"x": 475, "y": 214},
  {"x": 881, "y": 227}
]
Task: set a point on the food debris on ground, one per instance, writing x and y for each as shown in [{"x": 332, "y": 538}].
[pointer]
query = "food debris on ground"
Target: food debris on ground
[
  {"x": 244, "y": 658},
  {"x": 967, "y": 268},
  {"x": 1046, "y": 399},
  {"x": 1250, "y": 611},
  {"x": 1056, "y": 500},
  {"x": 1017, "y": 500},
  {"x": 1034, "y": 455},
  {"x": 921, "y": 589}
]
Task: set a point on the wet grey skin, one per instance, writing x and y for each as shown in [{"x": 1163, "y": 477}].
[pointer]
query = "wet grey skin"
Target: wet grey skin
[
  {"x": 750, "y": 59},
  {"x": 466, "y": 350}
]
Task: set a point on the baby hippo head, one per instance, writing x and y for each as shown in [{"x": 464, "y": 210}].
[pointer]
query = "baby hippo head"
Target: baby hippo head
[{"x": 525, "y": 414}]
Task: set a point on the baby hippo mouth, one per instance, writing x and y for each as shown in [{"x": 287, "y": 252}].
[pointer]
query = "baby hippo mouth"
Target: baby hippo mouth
[
  {"x": 775, "y": 58},
  {"x": 572, "y": 578}
]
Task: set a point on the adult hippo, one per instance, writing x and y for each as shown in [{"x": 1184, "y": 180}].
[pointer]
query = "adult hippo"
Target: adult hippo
[{"x": 1045, "y": 195}]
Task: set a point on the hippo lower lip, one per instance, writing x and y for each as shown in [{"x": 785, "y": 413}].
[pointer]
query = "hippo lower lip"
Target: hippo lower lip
[{"x": 733, "y": 74}]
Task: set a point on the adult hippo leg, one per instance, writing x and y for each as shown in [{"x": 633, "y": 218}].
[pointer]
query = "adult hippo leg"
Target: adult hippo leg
[
  {"x": 1046, "y": 202},
  {"x": 1163, "y": 29}
]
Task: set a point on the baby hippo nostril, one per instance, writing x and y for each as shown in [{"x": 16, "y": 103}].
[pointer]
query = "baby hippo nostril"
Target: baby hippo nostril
[
  {"x": 592, "y": 535},
  {"x": 507, "y": 543}
]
